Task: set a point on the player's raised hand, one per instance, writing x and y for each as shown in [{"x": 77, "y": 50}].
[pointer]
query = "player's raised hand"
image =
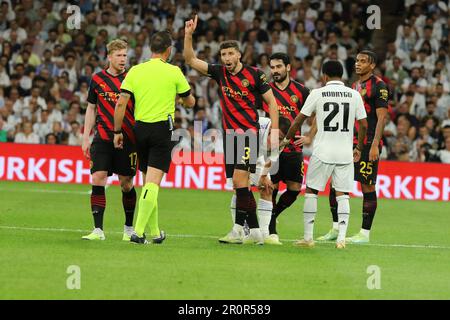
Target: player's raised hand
[
  {"x": 118, "y": 140},
  {"x": 86, "y": 147},
  {"x": 191, "y": 25}
]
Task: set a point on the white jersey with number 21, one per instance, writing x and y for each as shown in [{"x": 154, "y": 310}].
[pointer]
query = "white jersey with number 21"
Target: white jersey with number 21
[{"x": 336, "y": 107}]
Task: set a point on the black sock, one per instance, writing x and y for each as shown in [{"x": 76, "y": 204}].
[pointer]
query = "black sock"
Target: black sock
[
  {"x": 98, "y": 204},
  {"x": 369, "y": 209},
  {"x": 246, "y": 208},
  {"x": 129, "y": 205},
  {"x": 274, "y": 197},
  {"x": 252, "y": 219},
  {"x": 285, "y": 201},
  {"x": 333, "y": 204},
  {"x": 241, "y": 204}
]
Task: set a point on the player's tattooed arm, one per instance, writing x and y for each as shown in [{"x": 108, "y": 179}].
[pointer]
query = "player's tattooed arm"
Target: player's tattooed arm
[
  {"x": 293, "y": 129},
  {"x": 119, "y": 111},
  {"x": 308, "y": 137}
]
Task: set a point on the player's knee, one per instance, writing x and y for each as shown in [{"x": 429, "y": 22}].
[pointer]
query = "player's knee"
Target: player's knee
[
  {"x": 126, "y": 184},
  {"x": 99, "y": 178},
  {"x": 289, "y": 197},
  {"x": 367, "y": 188}
]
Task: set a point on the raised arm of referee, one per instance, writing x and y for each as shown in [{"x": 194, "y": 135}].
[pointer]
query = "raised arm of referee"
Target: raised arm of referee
[{"x": 154, "y": 86}]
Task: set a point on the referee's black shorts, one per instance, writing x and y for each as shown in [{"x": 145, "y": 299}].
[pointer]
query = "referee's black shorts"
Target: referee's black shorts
[{"x": 154, "y": 145}]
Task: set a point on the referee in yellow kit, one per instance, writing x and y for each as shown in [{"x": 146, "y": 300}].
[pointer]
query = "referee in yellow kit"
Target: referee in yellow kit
[{"x": 154, "y": 86}]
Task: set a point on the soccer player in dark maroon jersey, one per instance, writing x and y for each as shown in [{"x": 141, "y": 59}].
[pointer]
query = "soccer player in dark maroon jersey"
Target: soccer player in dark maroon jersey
[
  {"x": 375, "y": 96},
  {"x": 242, "y": 90},
  {"x": 290, "y": 96},
  {"x": 105, "y": 160}
]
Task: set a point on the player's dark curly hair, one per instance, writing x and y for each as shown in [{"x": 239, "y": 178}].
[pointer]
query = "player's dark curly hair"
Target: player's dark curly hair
[
  {"x": 333, "y": 69},
  {"x": 281, "y": 56},
  {"x": 372, "y": 56},
  {"x": 161, "y": 41}
]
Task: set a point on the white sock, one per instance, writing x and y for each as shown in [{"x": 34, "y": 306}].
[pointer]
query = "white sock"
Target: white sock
[
  {"x": 264, "y": 216},
  {"x": 365, "y": 232},
  {"x": 343, "y": 210},
  {"x": 233, "y": 208},
  {"x": 256, "y": 234},
  {"x": 128, "y": 230},
  {"x": 309, "y": 212},
  {"x": 238, "y": 228},
  {"x": 98, "y": 231},
  {"x": 335, "y": 225}
]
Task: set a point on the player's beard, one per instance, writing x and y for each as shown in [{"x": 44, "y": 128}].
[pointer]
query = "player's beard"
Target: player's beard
[
  {"x": 232, "y": 67},
  {"x": 281, "y": 77}
]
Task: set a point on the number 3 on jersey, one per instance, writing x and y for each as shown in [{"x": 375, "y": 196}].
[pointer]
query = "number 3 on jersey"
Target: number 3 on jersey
[{"x": 334, "y": 107}]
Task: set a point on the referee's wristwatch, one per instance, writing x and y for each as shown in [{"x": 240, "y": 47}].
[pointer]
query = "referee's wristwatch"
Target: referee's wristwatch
[{"x": 118, "y": 132}]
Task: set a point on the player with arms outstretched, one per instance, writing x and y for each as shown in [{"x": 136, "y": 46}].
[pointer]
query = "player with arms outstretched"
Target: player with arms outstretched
[{"x": 241, "y": 91}]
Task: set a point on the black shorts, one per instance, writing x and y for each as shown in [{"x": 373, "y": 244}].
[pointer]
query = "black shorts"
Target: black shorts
[
  {"x": 366, "y": 171},
  {"x": 154, "y": 145},
  {"x": 104, "y": 157},
  {"x": 290, "y": 168},
  {"x": 240, "y": 152}
]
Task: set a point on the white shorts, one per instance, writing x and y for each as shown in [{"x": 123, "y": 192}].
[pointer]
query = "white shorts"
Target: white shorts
[{"x": 319, "y": 172}]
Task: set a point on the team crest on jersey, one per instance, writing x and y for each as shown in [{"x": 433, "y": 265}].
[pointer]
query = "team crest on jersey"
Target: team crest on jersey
[
  {"x": 102, "y": 86},
  {"x": 294, "y": 98},
  {"x": 384, "y": 94},
  {"x": 245, "y": 83},
  {"x": 362, "y": 92}
]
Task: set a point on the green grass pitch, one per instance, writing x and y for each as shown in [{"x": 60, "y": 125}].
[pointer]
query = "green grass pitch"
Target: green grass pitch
[{"x": 40, "y": 237}]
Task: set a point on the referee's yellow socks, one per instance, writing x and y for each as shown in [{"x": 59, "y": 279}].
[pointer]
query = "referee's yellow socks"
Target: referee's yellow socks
[{"x": 148, "y": 210}]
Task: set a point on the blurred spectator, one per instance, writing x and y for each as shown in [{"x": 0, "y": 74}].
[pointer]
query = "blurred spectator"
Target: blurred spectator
[
  {"x": 27, "y": 135},
  {"x": 75, "y": 136},
  {"x": 3, "y": 131}
]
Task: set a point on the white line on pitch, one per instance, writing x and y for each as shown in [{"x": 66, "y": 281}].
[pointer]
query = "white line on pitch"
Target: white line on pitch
[{"x": 416, "y": 246}]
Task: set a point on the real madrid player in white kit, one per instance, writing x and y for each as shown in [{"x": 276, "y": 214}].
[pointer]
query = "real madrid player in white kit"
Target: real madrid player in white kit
[{"x": 336, "y": 107}]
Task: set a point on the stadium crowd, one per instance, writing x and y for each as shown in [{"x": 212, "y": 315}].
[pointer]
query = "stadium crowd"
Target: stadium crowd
[{"x": 46, "y": 67}]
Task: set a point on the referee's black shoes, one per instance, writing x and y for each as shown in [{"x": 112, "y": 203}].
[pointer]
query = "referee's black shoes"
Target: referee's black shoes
[
  {"x": 135, "y": 239},
  {"x": 160, "y": 239}
]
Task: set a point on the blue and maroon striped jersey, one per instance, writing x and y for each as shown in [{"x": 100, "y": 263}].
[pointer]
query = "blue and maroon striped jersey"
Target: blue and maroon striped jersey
[
  {"x": 375, "y": 95},
  {"x": 240, "y": 96},
  {"x": 104, "y": 91},
  {"x": 289, "y": 101}
]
